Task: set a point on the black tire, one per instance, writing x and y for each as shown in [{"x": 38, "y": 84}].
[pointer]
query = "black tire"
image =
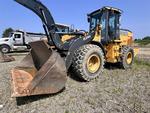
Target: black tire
[
  {"x": 5, "y": 48},
  {"x": 80, "y": 61},
  {"x": 125, "y": 54}
]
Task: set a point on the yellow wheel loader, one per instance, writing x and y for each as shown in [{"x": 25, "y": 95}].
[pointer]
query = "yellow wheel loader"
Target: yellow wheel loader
[{"x": 44, "y": 69}]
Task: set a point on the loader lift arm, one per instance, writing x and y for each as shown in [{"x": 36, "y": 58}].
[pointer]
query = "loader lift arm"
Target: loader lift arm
[
  {"x": 50, "y": 29},
  {"x": 48, "y": 22},
  {"x": 43, "y": 70}
]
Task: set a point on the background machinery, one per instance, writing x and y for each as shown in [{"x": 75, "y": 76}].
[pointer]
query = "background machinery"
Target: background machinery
[
  {"x": 44, "y": 70},
  {"x": 19, "y": 40}
]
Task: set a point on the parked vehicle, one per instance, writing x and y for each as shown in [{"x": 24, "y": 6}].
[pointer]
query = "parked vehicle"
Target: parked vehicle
[{"x": 19, "y": 40}]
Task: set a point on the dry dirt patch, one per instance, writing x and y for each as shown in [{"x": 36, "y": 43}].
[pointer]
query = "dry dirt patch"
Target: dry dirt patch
[{"x": 115, "y": 91}]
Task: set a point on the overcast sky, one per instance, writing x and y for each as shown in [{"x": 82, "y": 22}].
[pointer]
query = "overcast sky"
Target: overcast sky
[{"x": 136, "y": 15}]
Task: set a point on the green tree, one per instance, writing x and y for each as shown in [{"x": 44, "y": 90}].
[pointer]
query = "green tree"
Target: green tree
[
  {"x": 7, "y": 32},
  {"x": 146, "y": 38}
]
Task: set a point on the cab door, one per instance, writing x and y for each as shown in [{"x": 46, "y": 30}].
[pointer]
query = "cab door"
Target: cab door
[
  {"x": 113, "y": 25},
  {"x": 18, "y": 39}
]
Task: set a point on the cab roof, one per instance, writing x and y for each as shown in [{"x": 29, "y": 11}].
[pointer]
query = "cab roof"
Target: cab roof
[{"x": 106, "y": 8}]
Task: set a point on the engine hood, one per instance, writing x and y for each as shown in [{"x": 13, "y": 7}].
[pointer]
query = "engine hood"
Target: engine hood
[{"x": 4, "y": 39}]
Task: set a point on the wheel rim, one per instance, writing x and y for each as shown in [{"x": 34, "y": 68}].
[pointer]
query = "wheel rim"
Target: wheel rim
[
  {"x": 93, "y": 63},
  {"x": 4, "y": 50},
  {"x": 129, "y": 58}
]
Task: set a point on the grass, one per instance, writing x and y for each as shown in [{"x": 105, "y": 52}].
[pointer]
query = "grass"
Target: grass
[
  {"x": 143, "y": 42},
  {"x": 141, "y": 62}
]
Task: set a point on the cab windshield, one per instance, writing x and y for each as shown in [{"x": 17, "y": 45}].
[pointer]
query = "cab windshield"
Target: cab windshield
[
  {"x": 98, "y": 19},
  {"x": 11, "y": 34},
  {"x": 94, "y": 21}
]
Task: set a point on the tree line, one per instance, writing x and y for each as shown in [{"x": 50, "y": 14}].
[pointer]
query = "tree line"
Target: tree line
[
  {"x": 7, "y": 32},
  {"x": 143, "y": 41}
]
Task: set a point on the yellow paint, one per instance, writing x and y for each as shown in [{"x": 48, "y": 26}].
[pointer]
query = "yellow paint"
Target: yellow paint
[
  {"x": 93, "y": 63},
  {"x": 129, "y": 58},
  {"x": 97, "y": 37},
  {"x": 126, "y": 39},
  {"x": 136, "y": 51},
  {"x": 112, "y": 52},
  {"x": 67, "y": 37}
]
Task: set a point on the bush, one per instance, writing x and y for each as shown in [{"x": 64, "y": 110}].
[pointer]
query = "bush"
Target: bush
[{"x": 144, "y": 41}]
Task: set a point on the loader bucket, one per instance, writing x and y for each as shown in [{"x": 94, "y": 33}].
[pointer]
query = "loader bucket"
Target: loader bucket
[{"x": 42, "y": 71}]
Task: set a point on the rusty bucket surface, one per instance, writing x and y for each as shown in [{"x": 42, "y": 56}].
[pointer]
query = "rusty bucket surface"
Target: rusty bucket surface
[{"x": 42, "y": 71}]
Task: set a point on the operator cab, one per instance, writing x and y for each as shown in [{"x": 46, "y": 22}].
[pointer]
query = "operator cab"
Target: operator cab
[{"x": 108, "y": 20}]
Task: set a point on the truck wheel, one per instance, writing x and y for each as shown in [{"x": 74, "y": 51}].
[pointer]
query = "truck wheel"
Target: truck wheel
[
  {"x": 127, "y": 57},
  {"x": 88, "y": 62},
  {"x": 5, "y": 48}
]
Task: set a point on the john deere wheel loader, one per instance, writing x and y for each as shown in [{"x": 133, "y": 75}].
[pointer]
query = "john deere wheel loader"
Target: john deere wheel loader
[{"x": 44, "y": 70}]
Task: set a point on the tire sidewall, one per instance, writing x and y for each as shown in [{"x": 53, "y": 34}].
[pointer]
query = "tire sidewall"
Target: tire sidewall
[
  {"x": 98, "y": 52},
  {"x": 5, "y": 47},
  {"x": 126, "y": 65}
]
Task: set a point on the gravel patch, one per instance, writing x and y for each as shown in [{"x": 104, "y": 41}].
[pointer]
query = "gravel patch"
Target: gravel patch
[{"x": 116, "y": 91}]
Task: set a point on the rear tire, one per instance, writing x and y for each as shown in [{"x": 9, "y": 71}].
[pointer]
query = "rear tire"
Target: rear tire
[
  {"x": 88, "y": 62},
  {"x": 5, "y": 48},
  {"x": 127, "y": 58}
]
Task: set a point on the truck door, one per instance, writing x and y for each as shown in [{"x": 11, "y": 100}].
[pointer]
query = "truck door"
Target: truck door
[{"x": 18, "y": 39}]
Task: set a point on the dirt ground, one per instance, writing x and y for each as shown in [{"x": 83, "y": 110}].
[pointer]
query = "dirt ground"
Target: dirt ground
[
  {"x": 116, "y": 91},
  {"x": 144, "y": 54}
]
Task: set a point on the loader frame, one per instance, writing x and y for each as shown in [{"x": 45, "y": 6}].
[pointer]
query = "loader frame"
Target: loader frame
[
  {"x": 44, "y": 69},
  {"x": 50, "y": 29}
]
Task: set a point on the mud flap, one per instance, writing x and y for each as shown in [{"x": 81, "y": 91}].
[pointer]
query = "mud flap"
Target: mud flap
[{"x": 42, "y": 71}]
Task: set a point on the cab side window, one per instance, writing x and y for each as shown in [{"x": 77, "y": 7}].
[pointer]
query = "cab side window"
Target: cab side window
[
  {"x": 103, "y": 23},
  {"x": 17, "y": 35},
  {"x": 112, "y": 27}
]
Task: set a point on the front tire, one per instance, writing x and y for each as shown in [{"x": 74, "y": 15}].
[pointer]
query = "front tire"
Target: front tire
[
  {"x": 5, "y": 48},
  {"x": 88, "y": 62}
]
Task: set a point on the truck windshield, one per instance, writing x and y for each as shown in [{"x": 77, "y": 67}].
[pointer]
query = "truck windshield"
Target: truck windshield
[{"x": 11, "y": 34}]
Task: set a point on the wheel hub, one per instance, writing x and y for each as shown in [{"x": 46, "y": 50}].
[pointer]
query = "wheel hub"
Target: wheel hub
[
  {"x": 93, "y": 63},
  {"x": 4, "y": 50},
  {"x": 129, "y": 58}
]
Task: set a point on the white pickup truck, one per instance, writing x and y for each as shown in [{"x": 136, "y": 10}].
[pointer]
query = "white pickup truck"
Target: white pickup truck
[{"x": 19, "y": 40}]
